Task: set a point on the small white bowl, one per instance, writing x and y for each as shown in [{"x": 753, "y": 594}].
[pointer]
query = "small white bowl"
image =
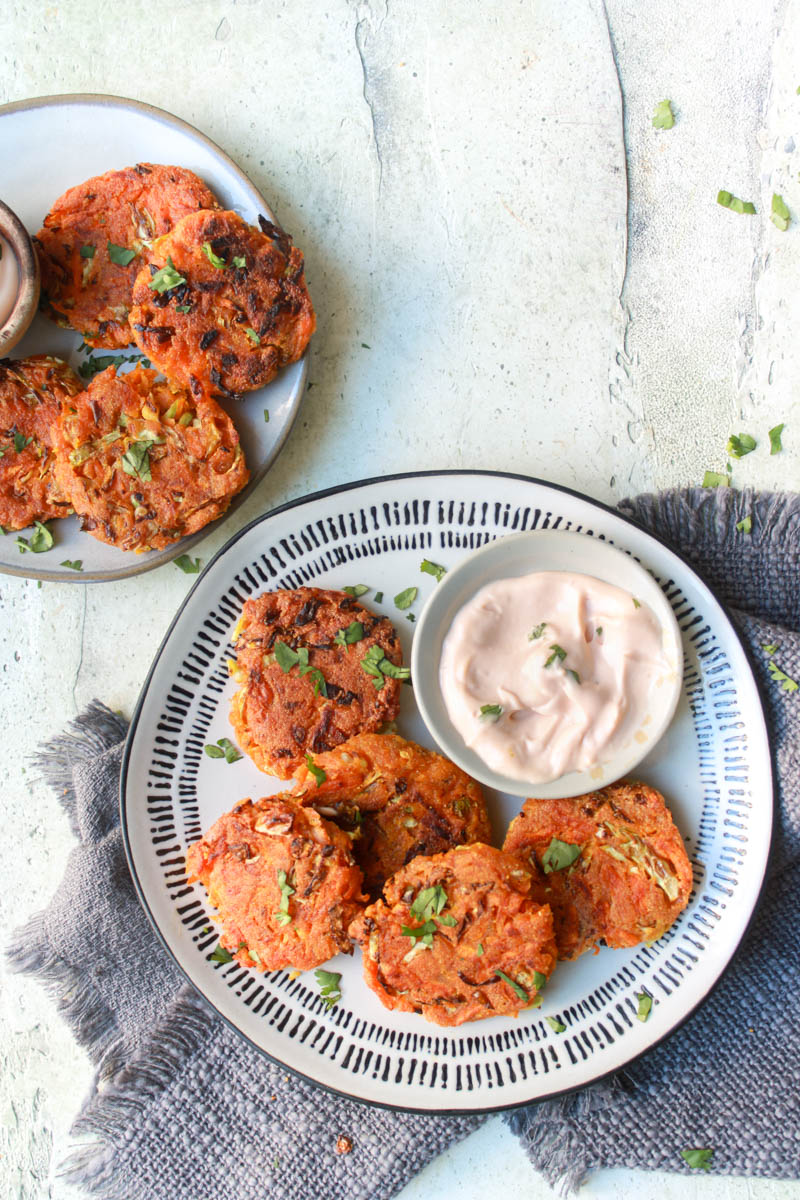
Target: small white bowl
[
  {"x": 14, "y": 328},
  {"x": 522, "y": 554}
]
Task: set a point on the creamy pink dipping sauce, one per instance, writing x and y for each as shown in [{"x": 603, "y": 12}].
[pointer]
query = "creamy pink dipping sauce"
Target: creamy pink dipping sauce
[
  {"x": 9, "y": 281},
  {"x": 570, "y": 661}
]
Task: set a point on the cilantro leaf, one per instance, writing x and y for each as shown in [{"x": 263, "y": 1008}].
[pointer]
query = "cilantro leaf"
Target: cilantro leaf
[
  {"x": 349, "y": 636},
  {"x": 87, "y": 251},
  {"x": 221, "y": 955},
  {"x": 663, "y": 116},
  {"x": 737, "y": 447},
  {"x": 645, "y": 1005},
  {"x": 213, "y": 751},
  {"x": 316, "y": 771},
  {"x": 136, "y": 460},
  {"x": 512, "y": 983},
  {"x": 329, "y": 988},
  {"x": 40, "y": 540},
  {"x": 558, "y": 654},
  {"x": 252, "y": 336},
  {"x": 282, "y": 916},
  {"x": 716, "y": 479},
  {"x": 780, "y": 215},
  {"x": 431, "y": 568},
  {"x": 406, "y": 598},
  {"x": 167, "y": 278},
  {"x": 745, "y": 525},
  {"x": 698, "y": 1159},
  {"x": 491, "y": 710},
  {"x": 556, "y": 1025},
  {"x": 360, "y": 589},
  {"x": 770, "y": 647},
  {"x": 728, "y": 200},
  {"x": 537, "y": 631},
  {"x": 20, "y": 442},
  {"x": 775, "y": 445},
  {"x": 119, "y": 255},
  {"x": 379, "y": 668},
  {"x": 213, "y": 258},
  {"x": 787, "y": 684},
  {"x": 559, "y": 855},
  {"x": 73, "y": 564},
  {"x": 574, "y": 674},
  {"x": 539, "y": 980},
  {"x": 239, "y": 262},
  {"x": 94, "y": 364},
  {"x": 429, "y": 902},
  {"x": 266, "y": 416},
  {"x": 223, "y": 749},
  {"x": 285, "y": 657},
  {"x": 479, "y": 951},
  {"x": 189, "y": 565},
  {"x": 419, "y": 933}
]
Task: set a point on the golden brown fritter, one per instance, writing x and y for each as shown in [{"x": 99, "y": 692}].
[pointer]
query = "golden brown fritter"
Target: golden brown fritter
[
  {"x": 450, "y": 928},
  {"x": 115, "y": 216},
  {"x": 314, "y": 667},
  {"x": 625, "y": 875},
  {"x": 143, "y": 462},
  {"x": 397, "y": 799},
  {"x": 31, "y": 391},
  {"x": 222, "y": 305},
  {"x": 284, "y": 882}
]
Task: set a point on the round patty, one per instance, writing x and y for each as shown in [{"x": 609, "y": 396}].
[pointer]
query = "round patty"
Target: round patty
[
  {"x": 469, "y": 920},
  {"x": 397, "y": 800},
  {"x": 620, "y": 875},
  {"x": 114, "y": 214},
  {"x": 143, "y": 462},
  {"x": 222, "y": 305},
  {"x": 31, "y": 392},
  {"x": 303, "y": 688},
  {"x": 284, "y": 883}
]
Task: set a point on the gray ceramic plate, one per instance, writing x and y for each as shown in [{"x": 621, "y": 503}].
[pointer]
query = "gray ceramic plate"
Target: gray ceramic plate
[{"x": 46, "y": 146}]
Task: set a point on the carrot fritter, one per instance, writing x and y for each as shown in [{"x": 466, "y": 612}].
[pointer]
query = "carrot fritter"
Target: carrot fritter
[
  {"x": 458, "y": 937},
  {"x": 397, "y": 800},
  {"x": 222, "y": 305},
  {"x": 315, "y": 667},
  {"x": 96, "y": 238},
  {"x": 143, "y": 462},
  {"x": 31, "y": 391},
  {"x": 611, "y": 865},
  {"x": 284, "y": 882}
]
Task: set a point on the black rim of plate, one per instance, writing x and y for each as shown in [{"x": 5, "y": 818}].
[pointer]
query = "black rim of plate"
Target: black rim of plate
[
  {"x": 352, "y": 487},
  {"x": 184, "y": 544}
]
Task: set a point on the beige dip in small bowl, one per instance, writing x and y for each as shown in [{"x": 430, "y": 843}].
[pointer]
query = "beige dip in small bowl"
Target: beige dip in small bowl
[{"x": 19, "y": 279}]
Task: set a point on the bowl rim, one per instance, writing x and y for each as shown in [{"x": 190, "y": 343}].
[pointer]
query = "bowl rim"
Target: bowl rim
[
  {"x": 453, "y": 593},
  {"x": 26, "y": 304}
]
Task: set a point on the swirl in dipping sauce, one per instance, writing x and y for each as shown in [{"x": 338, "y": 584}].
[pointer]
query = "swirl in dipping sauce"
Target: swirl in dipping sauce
[{"x": 552, "y": 672}]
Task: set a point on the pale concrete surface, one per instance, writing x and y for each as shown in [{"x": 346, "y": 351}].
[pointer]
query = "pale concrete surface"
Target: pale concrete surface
[{"x": 458, "y": 183}]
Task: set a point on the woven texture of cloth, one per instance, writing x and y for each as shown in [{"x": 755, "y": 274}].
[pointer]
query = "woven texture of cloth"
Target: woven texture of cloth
[{"x": 184, "y": 1108}]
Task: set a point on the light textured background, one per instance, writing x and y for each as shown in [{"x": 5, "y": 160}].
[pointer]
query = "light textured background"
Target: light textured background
[{"x": 490, "y": 294}]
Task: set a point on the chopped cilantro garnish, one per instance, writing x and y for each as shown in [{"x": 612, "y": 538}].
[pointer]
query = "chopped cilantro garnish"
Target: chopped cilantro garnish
[
  {"x": 493, "y": 711},
  {"x": 316, "y": 771},
  {"x": 556, "y": 1025},
  {"x": 87, "y": 251},
  {"x": 349, "y": 636},
  {"x": 74, "y": 564},
  {"x": 539, "y": 980},
  {"x": 716, "y": 479},
  {"x": 663, "y": 116},
  {"x": 780, "y": 215},
  {"x": 559, "y": 855},
  {"x": 378, "y": 667},
  {"x": 559, "y": 654},
  {"x": 512, "y": 983},
  {"x": 282, "y": 916},
  {"x": 221, "y": 955},
  {"x": 745, "y": 525},
  {"x": 119, "y": 255},
  {"x": 360, "y": 589},
  {"x": 253, "y": 336},
  {"x": 40, "y": 540},
  {"x": 406, "y": 598},
  {"x": 223, "y": 749},
  {"x": 431, "y": 568},
  {"x": 479, "y": 951},
  {"x": 266, "y": 415},
  {"x": 136, "y": 460},
  {"x": 574, "y": 674},
  {"x": 787, "y": 684},
  {"x": 737, "y": 447},
  {"x": 183, "y": 308},
  {"x": 698, "y": 1159},
  {"x": 645, "y": 1005},
  {"x": 728, "y": 200},
  {"x": 213, "y": 258},
  {"x": 20, "y": 442},
  {"x": 94, "y": 364},
  {"x": 287, "y": 658},
  {"x": 167, "y": 278},
  {"x": 775, "y": 445},
  {"x": 429, "y": 903},
  {"x": 537, "y": 631},
  {"x": 379, "y": 597},
  {"x": 189, "y": 565},
  {"x": 239, "y": 262},
  {"x": 329, "y": 988},
  {"x": 770, "y": 647}
]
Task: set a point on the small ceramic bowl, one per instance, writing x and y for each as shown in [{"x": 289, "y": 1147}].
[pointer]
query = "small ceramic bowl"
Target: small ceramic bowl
[
  {"x": 16, "y": 236},
  {"x": 522, "y": 554}
]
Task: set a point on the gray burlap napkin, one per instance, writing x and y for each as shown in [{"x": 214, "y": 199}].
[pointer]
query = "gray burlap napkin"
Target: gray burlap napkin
[{"x": 183, "y": 1108}]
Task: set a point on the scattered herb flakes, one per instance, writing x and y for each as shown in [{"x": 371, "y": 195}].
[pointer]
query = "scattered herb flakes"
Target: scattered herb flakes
[
  {"x": 189, "y": 565},
  {"x": 559, "y": 855},
  {"x": 599, "y": 631},
  {"x": 537, "y": 631},
  {"x": 699, "y": 1159},
  {"x": 379, "y": 668},
  {"x": 136, "y": 460},
  {"x": 512, "y": 983},
  {"x": 239, "y": 262},
  {"x": 266, "y": 415},
  {"x": 636, "y": 603},
  {"x": 663, "y": 116},
  {"x": 40, "y": 540},
  {"x": 558, "y": 654},
  {"x": 119, "y": 255},
  {"x": 223, "y": 749},
  {"x": 364, "y": 346},
  {"x": 282, "y": 916},
  {"x": 787, "y": 684},
  {"x": 745, "y": 525},
  {"x": 716, "y": 479},
  {"x": 727, "y": 200},
  {"x": 539, "y": 980},
  {"x": 574, "y": 674},
  {"x": 349, "y": 636},
  {"x": 213, "y": 258},
  {"x": 318, "y": 680},
  {"x": 740, "y": 445},
  {"x": 379, "y": 597},
  {"x": 73, "y": 564},
  {"x": 93, "y": 365},
  {"x": 431, "y": 568},
  {"x": 183, "y": 308},
  {"x": 316, "y": 771},
  {"x": 556, "y": 1025},
  {"x": 429, "y": 902},
  {"x": 479, "y": 951},
  {"x": 329, "y": 988},
  {"x": 780, "y": 215},
  {"x": 87, "y": 251},
  {"x": 252, "y": 336},
  {"x": 645, "y": 1005},
  {"x": 20, "y": 442},
  {"x": 410, "y": 617},
  {"x": 491, "y": 711},
  {"x": 775, "y": 444},
  {"x": 420, "y": 933},
  {"x": 359, "y": 589},
  {"x": 406, "y": 598},
  {"x": 167, "y": 278},
  {"x": 221, "y": 955}
]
